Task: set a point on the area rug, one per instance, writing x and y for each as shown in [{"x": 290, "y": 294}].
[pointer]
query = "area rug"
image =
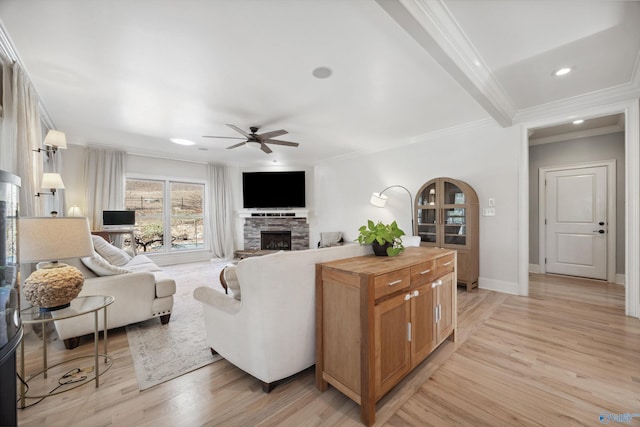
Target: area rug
[{"x": 163, "y": 352}]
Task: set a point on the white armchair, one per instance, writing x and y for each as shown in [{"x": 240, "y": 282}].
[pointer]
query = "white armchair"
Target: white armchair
[{"x": 270, "y": 331}]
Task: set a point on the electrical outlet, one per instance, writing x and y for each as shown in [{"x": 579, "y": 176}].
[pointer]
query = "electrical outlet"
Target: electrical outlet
[{"x": 489, "y": 212}]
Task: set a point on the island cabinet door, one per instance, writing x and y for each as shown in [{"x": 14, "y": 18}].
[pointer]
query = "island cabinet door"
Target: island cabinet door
[
  {"x": 445, "y": 319},
  {"x": 423, "y": 325},
  {"x": 392, "y": 345}
]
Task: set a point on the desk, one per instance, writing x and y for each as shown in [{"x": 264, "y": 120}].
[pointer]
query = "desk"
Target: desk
[{"x": 39, "y": 385}]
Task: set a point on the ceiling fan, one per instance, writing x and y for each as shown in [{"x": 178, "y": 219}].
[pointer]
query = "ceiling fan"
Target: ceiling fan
[{"x": 254, "y": 138}]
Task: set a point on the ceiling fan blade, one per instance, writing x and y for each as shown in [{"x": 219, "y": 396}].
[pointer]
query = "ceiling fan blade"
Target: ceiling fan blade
[
  {"x": 237, "y": 129},
  {"x": 272, "y": 134},
  {"x": 236, "y": 145},
  {"x": 264, "y": 148},
  {"x": 278, "y": 142},
  {"x": 222, "y": 137}
]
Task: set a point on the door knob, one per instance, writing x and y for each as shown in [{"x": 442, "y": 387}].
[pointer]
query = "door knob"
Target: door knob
[
  {"x": 601, "y": 223},
  {"x": 599, "y": 231}
]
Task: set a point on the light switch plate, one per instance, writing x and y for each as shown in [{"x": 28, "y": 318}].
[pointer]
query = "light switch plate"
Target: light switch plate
[{"x": 492, "y": 202}]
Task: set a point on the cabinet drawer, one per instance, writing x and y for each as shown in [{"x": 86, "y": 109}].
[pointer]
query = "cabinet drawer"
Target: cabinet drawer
[
  {"x": 391, "y": 282},
  {"x": 445, "y": 264},
  {"x": 423, "y": 273}
]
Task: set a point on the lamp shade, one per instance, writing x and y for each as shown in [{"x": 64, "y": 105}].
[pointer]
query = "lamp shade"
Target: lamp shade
[
  {"x": 379, "y": 200},
  {"x": 74, "y": 211},
  {"x": 51, "y": 180},
  {"x": 56, "y": 139},
  {"x": 52, "y": 239}
]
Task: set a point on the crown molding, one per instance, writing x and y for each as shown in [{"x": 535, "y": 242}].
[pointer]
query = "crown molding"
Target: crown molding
[
  {"x": 569, "y": 106},
  {"x": 433, "y": 27},
  {"x": 8, "y": 51},
  {"x": 577, "y": 135}
]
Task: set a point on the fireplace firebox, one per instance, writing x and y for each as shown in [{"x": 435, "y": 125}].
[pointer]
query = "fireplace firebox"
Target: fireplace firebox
[{"x": 275, "y": 240}]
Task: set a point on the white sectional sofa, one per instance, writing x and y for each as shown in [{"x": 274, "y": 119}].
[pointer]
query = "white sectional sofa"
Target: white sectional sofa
[
  {"x": 140, "y": 288},
  {"x": 269, "y": 330}
]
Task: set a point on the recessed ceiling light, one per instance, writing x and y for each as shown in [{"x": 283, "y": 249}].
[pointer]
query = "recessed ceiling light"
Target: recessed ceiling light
[
  {"x": 181, "y": 141},
  {"x": 322, "y": 72},
  {"x": 577, "y": 122},
  {"x": 203, "y": 149},
  {"x": 562, "y": 71}
]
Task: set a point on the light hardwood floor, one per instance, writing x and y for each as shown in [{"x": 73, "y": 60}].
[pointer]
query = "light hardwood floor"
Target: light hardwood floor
[{"x": 562, "y": 356}]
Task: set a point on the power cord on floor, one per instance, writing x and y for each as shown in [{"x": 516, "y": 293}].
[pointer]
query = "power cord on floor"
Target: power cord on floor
[{"x": 71, "y": 377}]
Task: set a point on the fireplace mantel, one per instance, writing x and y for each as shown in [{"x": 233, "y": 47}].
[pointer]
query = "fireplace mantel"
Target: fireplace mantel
[{"x": 274, "y": 213}]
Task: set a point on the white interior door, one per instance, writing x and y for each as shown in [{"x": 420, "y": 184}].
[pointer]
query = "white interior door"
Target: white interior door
[{"x": 576, "y": 222}]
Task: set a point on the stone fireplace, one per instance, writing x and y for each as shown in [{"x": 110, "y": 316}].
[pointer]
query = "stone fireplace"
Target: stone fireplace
[{"x": 296, "y": 229}]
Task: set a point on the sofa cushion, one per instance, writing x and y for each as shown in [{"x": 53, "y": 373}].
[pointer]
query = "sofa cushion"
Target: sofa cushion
[
  {"x": 101, "y": 267},
  {"x": 230, "y": 277},
  {"x": 112, "y": 254},
  {"x": 142, "y": 263}
]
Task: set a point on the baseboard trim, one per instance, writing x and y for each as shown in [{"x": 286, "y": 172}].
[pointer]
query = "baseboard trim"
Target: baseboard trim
[
  {"x": 621, "y": 279},
  {"x": 534, "y": 268},
  {"x": 498, "y": 285}
]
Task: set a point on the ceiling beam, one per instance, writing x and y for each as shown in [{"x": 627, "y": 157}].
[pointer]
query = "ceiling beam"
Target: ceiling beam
[{"x": 431, "y": 25}]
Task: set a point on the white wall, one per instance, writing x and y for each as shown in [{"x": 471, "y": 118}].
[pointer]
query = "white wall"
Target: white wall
[{"x": 485, "y": 157}]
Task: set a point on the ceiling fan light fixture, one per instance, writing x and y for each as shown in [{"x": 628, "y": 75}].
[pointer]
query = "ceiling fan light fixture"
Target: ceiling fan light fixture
[{"x": 181, "y": 141}]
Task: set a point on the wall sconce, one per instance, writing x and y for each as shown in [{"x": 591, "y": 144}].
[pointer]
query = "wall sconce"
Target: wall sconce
[
  {"x": 380, "y": 200},
  {"x": 54, "y": 139},
  {"x": 52, "y": 181}
]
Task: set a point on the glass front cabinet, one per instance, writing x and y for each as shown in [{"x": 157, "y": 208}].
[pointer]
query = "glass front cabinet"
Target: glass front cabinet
[{"x": 447, "y": 216}]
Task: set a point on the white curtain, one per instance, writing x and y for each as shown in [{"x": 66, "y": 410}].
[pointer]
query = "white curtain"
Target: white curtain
[
  {"x": 104, "y": 180},
  {"x": 221, "y": 213},
  {"x": 21, "y": 130}
]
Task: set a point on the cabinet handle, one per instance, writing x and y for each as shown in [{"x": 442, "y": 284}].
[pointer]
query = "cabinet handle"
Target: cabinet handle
[
  {"x": 436, "y": 284},
  {"x": 395, "y": 282},
  {"x": 425, "y": 272},
  {"x": 416, "y": 293},
  {"x": 409, "y": 331},
  {"x": 407, "y": 297},
  {"x": 446, "y": 263},
  {"x": 438, "y": 313}
]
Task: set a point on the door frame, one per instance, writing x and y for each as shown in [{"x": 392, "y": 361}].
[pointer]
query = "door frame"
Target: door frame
[
  {"x": 611, "y": 212},
  {"x": 562, "y": 113}
]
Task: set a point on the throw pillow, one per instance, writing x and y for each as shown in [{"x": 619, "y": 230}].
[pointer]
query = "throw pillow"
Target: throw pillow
[
  {"x": 230, "y": 276},
  {"x": 112, "y": 254},
  {"x": 101, "y": 267},
  {"x": 330, "y": 238}
]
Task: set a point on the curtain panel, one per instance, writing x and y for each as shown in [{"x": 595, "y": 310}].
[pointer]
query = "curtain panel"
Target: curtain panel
[
  {"x": 21, "y": 134},
  {"x": 104, "y": 181},
  {"x": 221, "y": 213}
]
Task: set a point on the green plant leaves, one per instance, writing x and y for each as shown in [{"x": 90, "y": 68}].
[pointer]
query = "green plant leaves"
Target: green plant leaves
[{"x": 382, "y": 233}]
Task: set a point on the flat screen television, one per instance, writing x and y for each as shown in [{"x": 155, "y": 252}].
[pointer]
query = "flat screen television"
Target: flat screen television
[
  {"x": 115, "y": 218},
  {"x": 273, "y": 190}
]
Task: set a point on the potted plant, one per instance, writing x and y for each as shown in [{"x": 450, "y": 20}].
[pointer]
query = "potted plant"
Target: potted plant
[{"x": 384, "y": 238}]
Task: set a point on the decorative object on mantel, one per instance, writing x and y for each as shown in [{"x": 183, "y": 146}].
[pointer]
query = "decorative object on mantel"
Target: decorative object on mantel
[
  {"x": 54, "y": 284},
  {"x": 385, "y": 239}
]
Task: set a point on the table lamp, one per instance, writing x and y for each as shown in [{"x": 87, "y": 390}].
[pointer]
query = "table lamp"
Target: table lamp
[{"x": 53, "y": 285}]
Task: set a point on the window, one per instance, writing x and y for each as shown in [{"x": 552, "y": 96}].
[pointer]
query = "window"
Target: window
[{"x": 169, "y": 214}]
